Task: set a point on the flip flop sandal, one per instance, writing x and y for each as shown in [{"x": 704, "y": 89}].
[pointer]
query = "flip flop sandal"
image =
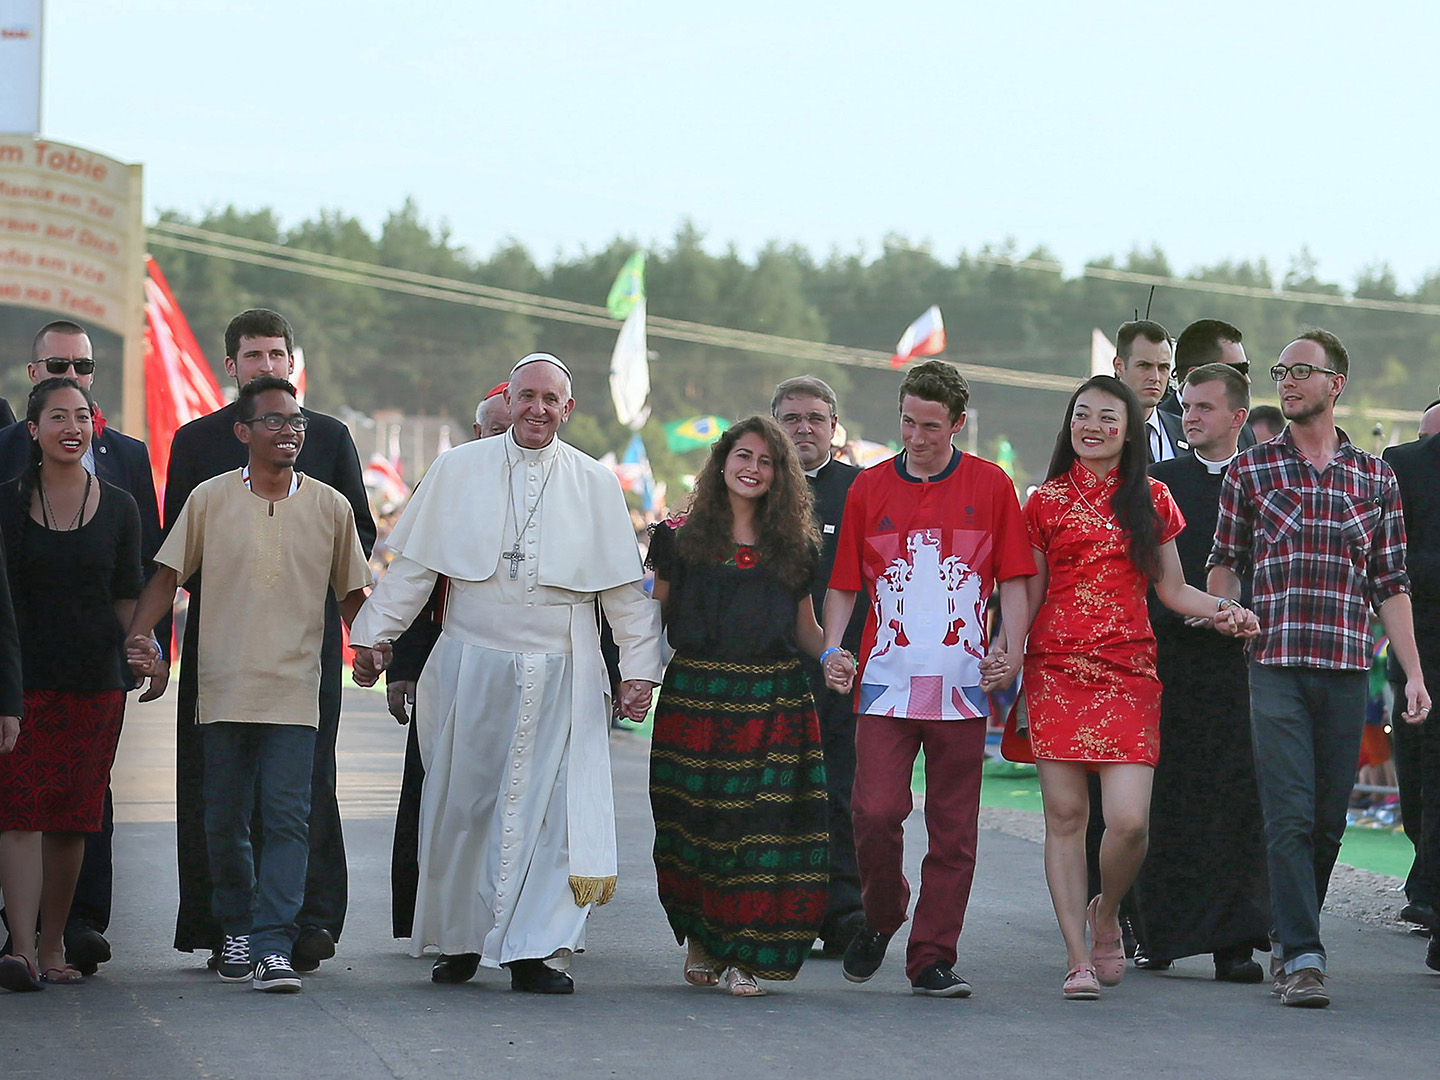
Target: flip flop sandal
[
  {"x": 700, "y": 969},
  {"x": 743, "y": 984},
  {"x": 18, "y": 975},
  {"x": 62, "y": 975}
]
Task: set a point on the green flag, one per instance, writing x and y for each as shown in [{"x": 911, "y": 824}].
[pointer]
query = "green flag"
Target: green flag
[
  {"x": 629, "y": 287},
  {"x": 691, "y": 434}
]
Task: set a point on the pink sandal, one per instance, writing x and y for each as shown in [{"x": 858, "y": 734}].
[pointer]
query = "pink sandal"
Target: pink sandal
[
  {"x": 1107, "y": 955},
  {"x": 1081, "y": 984}
]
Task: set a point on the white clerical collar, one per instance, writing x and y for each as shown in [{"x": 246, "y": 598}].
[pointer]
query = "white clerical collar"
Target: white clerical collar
[
  {"x": 545, "y": 453},
  {"x": 1216, "y": 467},
  {"x": 812, "y": 473}
]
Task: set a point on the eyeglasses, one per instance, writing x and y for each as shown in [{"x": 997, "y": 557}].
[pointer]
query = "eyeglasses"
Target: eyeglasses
[
  {"x": 274, "y": 421},
  {"x": 58, "y": 365},
  {"x": 1298, "y": 372}
]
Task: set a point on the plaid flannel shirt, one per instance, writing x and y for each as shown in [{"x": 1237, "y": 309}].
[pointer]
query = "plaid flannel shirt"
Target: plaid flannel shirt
[{"x": 1325, "y": 547}]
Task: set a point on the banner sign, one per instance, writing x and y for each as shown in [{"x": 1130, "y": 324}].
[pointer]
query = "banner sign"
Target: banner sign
[{"x": 72, "y": 237}]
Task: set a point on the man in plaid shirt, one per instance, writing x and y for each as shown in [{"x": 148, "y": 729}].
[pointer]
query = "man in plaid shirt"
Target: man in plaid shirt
[{"x": 1319, "y": 522}]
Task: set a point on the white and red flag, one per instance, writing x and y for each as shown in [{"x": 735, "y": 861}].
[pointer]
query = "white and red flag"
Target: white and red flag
[
  {"x": 1102, "y": 353},
  {"x": 297, "y": 375},
  {"x": 924, "y": 337},
  {"x": 179, "y": 385}
]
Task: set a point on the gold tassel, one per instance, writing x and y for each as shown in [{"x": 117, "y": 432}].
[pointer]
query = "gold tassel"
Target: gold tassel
[{"x": 592, "y": 890}]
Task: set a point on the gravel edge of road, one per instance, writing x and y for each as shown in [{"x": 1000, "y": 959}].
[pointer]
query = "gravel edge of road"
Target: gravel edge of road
[{"x": 1357, "y": 894}]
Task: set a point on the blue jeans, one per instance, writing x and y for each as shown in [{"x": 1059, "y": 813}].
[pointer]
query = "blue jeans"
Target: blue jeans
[
  {"x": 263, "y": 904},
  {"x": 1306, "y": 725}
]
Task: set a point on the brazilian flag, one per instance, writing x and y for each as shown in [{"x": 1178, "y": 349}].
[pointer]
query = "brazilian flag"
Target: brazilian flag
[
  {"x": 629, "y": 287},
  {"x": 692, "y": 434}
]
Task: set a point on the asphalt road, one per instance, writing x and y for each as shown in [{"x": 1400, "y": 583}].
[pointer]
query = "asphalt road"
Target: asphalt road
[{"x": 372, "y": 1012}]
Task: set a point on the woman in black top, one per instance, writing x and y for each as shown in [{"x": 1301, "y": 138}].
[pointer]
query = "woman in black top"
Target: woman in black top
[
  {"x": 737, "y": 772},
  {"x": 72, "y": 547}
]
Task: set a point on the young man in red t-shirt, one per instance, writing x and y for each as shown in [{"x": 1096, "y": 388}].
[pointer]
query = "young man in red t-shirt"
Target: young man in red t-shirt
[{"x": 926, "y": 536}]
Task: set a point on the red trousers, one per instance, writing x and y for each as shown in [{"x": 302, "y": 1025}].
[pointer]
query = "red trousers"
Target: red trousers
[{"x": 885, "y": 750}]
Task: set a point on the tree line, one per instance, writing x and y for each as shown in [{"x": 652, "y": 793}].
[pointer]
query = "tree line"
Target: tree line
[{"x": 369, "y": 350}]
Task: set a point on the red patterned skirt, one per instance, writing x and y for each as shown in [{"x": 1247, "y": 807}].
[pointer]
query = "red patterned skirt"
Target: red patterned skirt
[{"x": 55, "y": 778}]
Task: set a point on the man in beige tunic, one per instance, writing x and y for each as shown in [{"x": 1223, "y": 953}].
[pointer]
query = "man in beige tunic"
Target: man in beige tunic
[{"x": 517, "y": 823}]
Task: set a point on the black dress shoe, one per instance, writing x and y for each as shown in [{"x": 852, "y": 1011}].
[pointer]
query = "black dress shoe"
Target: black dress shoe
[
  {"x": 85, "y": 948},
  {"x": 538, "y": 977},
  {"x": 312, "y": 945},
  {"x": 1238, "y": 969},
  {"x": 1432, "y": 954},
  {"x": 1419, "y": 913},
  {"x": 457, "y": 968}
]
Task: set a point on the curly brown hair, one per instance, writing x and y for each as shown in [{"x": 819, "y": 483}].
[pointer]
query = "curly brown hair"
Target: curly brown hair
[{"x": 788, "y": 541}]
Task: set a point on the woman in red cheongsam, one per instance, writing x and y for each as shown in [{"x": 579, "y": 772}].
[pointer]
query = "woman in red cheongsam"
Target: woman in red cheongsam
[{"x": 1102, "y": 532}]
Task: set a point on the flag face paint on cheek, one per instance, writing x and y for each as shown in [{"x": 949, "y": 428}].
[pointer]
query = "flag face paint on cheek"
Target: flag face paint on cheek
[{"x": 1114, "y": 430}]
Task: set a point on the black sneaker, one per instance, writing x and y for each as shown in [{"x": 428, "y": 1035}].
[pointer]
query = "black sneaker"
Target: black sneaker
[
  {"x": 940, "y": 981},
  {"x": 274, "y": 975},
  {"x": 865, "y": 954},
  {"x": 233, "y": 963},
  {"x": 312, "y": 944}
]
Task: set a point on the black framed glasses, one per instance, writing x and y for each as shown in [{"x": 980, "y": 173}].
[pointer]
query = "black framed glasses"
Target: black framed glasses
[
  {"x": 274, "y": 421},
  {"x": 1298, "y": 372},
  {"x": 59, "y": 365}
]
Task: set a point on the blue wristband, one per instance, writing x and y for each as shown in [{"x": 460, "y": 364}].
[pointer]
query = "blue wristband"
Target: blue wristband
[{"x": 827, "y": 652}]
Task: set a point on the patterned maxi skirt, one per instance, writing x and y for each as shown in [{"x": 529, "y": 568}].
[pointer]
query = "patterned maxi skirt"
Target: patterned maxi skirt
[{"x": 737, "y": 787}]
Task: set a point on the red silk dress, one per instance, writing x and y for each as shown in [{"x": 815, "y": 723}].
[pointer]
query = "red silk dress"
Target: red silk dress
[{"x": 1090, "y": 682}]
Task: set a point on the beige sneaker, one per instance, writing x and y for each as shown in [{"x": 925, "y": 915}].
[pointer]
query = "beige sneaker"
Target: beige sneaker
[{"x": 1305, "y": 989}]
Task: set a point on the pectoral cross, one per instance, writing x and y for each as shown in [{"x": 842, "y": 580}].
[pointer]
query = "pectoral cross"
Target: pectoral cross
[{"x": 515, "y": 558}]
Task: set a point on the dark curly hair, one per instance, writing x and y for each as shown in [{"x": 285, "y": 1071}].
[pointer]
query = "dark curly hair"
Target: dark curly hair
[
  {"x": 787, "y": 538},
  {"x": 1133, "y": 506}
]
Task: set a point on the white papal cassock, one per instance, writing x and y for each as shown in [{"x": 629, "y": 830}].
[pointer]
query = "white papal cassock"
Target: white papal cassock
[{"x": 512, "y": 711}]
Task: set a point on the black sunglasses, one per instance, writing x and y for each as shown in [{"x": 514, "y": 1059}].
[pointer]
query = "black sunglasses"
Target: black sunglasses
[{"x": 59, "y": 365}]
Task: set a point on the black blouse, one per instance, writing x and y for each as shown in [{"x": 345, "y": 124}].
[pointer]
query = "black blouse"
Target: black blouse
[
  {"x": 64, "y": 586},
  {"x": 724, "y": 611}
]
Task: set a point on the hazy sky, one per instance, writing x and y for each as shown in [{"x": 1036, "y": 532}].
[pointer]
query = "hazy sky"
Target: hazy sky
[{"x": 1244, "y": 132}]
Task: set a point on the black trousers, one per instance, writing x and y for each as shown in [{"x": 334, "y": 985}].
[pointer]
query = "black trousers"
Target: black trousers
[
  {"x": 837, "y": 734},
  {"x": 1417, "y": 767},
  {"x": 90, "y": 906},
  {"x": 405, "y": 852},
  {"x": 326, "y": 878}
]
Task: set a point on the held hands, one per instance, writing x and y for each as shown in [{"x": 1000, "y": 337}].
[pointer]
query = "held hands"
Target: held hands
[
  {"x": 399, "y": 697},
  {"x": 370, "y": 661},
  {"x": 839, "y": 668},
  {"x": 634, "y": 699},
  {"x": 147, "y": 661},
  {"x": 998, "y": 670},
  {"x": 1237, "y": 621}
]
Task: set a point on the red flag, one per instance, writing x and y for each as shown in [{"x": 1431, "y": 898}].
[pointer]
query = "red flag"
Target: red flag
[
  {"x": 179, "y": 385},
  {"x": 924, "y": 337}
]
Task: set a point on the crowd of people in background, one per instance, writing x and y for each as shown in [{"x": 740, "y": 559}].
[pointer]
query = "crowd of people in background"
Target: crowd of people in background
[{"x": 1175, "y": 627}]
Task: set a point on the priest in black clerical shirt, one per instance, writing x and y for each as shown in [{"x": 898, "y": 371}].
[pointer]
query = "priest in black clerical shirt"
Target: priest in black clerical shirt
[
  {"x": 806, "y": 408},
  {"x": 1203, "y": 887},
  {"x": 261, "y": 342}
]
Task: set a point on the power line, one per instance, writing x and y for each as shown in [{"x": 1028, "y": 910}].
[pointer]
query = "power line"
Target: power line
[{"x": 454, "y": 290}]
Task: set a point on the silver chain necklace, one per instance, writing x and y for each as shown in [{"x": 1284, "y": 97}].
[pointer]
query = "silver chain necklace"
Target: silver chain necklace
[
  {"x": 514, "y": 556},
  {"x": 48, "y": 512}
]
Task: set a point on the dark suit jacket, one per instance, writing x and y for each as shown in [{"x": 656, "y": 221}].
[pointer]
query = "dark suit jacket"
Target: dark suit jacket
[
  {"x": 830, "y": 486},
  {"x": 7, "y": 417},
  {"x": 12, "y": 693},
  {"x": 1417, "y": 468}
]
